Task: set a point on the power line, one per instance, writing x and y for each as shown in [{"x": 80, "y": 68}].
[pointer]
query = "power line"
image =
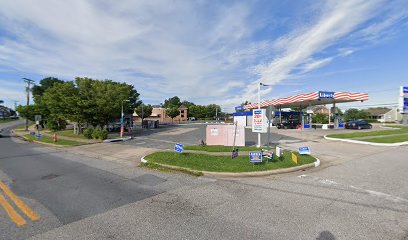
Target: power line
[{"x": 374, "y": 105}]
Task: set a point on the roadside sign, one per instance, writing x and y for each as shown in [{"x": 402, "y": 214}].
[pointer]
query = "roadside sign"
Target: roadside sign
[
  {"x": 179, "y": 147},
  {"x": 259, "y": 120},
  {"x": 270, "y": 112},
  {"x": 234, "y": 153},
  {"x": 294, "y": 158},
  {"x": 404, "y": 100},
  {"x": 37, "y": 118},
  {"x": 255, "y": 157},
  {"x": 304, "y": 150},
  {"x": 38, "y": 136},
  {"x": 278, "y": 151}
]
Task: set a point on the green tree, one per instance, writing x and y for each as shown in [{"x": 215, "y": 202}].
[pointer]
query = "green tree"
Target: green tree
[
  {"x": 61, "y": 102},
  {"x": 172, "y": 113},
  {"x": 354, "y": 113},
  {"x": 213, "y": 110},
  {"x": 197, "y": 111},
  {"x": 101, "y": 101},
  {"x": 46, "y": 83},
  {"x": 320, "y": 118},
  {"x": 172, "y": 102},
  {"x": 147, "y": 110},
  {"x": 27, "y": 111}
]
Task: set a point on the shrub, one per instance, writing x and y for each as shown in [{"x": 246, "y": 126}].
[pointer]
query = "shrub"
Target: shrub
[
  {"x": 95, "y": 134},
  {"x": 103, "y": 134},
  {"x": 88, "y": 133},
  {"x": 100, "y": 134},
  {"x": 56, "y": 124}
]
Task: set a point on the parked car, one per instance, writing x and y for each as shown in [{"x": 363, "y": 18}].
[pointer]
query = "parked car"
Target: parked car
[
  {"x": 358, "y": 124},
  {"x": 288, "y": 125}
]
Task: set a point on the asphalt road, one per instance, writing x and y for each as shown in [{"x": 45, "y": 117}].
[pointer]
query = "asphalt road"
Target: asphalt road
[
  {"x": 192, "y": 134},
  {"x": 360, "y": 192}
]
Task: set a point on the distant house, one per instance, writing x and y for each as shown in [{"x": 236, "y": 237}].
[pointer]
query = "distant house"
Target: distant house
[
  {"x": 393, "y": 115},
  {"x": 320, "y": 109},
  {"x": 159, "y": 113},
  {"x": 5, "y": 112},
  {"x": 382, "y": 114}
]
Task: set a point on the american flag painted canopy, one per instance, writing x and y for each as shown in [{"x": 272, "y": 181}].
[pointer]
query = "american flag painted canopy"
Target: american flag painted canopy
[{"x": 312, "y": 98}]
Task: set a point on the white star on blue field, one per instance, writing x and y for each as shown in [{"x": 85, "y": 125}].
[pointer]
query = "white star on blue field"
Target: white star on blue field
[{"x": 209, "y": 51}]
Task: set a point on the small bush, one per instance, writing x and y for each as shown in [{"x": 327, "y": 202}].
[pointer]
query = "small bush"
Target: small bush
[
  {"x": 88, "y": 133},
  {"x": 100, "y": 134},
  {"x": 95, "y": 134},
  {"x": 103, "y": 134}
]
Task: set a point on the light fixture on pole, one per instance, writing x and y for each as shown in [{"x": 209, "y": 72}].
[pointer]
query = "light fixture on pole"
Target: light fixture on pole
[
  {"x": 28, "y": 88},
  {"x": 122, "y": 119}
]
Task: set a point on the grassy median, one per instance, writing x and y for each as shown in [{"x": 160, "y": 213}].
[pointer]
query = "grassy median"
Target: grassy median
[
  {"x": 222, "y": 148},
  {"x": 380, "y": 136},
  {"x": 46, "y": 139},
  {"x": 211, "y": 163}
]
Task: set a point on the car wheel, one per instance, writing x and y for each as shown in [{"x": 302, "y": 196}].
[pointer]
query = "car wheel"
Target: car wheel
[{"x": 359, "y": 127}]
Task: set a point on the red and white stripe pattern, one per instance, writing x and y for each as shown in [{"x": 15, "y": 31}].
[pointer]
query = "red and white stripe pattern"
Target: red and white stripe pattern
[
  {"x": 351, "y": 96},
  {"x": 341, "y": 96}
]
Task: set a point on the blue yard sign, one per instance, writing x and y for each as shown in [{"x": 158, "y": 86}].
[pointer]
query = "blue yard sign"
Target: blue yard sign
[
  {"x": 38, "y": 136},
  {"x": 179, "y": 147},
  {"x": 255, "y": 157},
  {"x": 304, "y": 150},
  {"x": 234, "y": 153}
]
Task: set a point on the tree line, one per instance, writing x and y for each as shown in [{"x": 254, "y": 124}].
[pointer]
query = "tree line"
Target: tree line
[
  {"x": 85, "y": 101},
  {"x": 96, "y": 103}
]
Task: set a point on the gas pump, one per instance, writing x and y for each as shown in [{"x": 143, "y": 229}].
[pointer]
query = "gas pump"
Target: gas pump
[
  {"x": 338, "y": 121},
  {"x": 306, "y": 120}
]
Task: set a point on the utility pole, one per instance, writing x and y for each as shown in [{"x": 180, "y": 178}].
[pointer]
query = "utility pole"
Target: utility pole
[{"x": 28, "y": 89}]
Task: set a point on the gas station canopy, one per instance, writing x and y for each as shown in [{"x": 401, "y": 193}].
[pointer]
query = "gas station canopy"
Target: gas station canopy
[{"x": 311, "y": 99}]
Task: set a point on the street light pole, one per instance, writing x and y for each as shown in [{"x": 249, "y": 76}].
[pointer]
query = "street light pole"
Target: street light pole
[
  {"x": 28, "y": 81},
  {"x": 121, "y": 119}
]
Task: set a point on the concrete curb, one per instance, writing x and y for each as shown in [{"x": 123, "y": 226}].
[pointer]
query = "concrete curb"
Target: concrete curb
[
  {"x": 50, "y": 144},
  {"x": 240, "y": 174},
  {"x": 366, "y": 143},
  {"x": 117, "y": 139}
]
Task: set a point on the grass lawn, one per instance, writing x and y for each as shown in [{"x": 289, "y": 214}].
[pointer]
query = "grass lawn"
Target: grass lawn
[
  {"x": 46, "y": 139},
  {"x": 222, "y": 148},
  {"x": 69, "y": 133},
  {"x": 7, "y": 120},
  {"x": 204, "y": 162},
  {"x": 371, "y": 133},
  {"x": 390, "y": 139}
]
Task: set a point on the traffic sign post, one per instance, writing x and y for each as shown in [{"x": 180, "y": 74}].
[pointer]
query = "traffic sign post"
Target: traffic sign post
[{"x": 270, "y": 114}]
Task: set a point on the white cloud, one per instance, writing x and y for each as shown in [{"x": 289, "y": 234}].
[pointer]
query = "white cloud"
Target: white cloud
[{"x": 198, "y": 50}]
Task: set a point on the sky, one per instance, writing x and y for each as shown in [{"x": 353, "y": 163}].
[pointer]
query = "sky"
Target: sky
[{"x": 209, "y": 51}]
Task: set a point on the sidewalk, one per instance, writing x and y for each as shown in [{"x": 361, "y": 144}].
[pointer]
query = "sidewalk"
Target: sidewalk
[{"x": 119, "y": 153}]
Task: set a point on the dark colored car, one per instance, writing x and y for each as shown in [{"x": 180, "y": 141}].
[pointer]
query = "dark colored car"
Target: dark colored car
[
  {"x": 288, "y": 125},
  {"x": 358, "y": 124}
]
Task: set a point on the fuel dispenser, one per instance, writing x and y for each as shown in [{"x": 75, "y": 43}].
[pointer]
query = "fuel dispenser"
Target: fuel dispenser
[
  {"x": 338, "y": 120},
  {"x": 306, "y": 121}
]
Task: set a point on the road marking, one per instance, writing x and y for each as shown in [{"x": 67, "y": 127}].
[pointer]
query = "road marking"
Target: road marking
[
  {"x": 13, "y": 215},
  {"x": 19, "y": 203},
  {"x": 385, "y": 196}
]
